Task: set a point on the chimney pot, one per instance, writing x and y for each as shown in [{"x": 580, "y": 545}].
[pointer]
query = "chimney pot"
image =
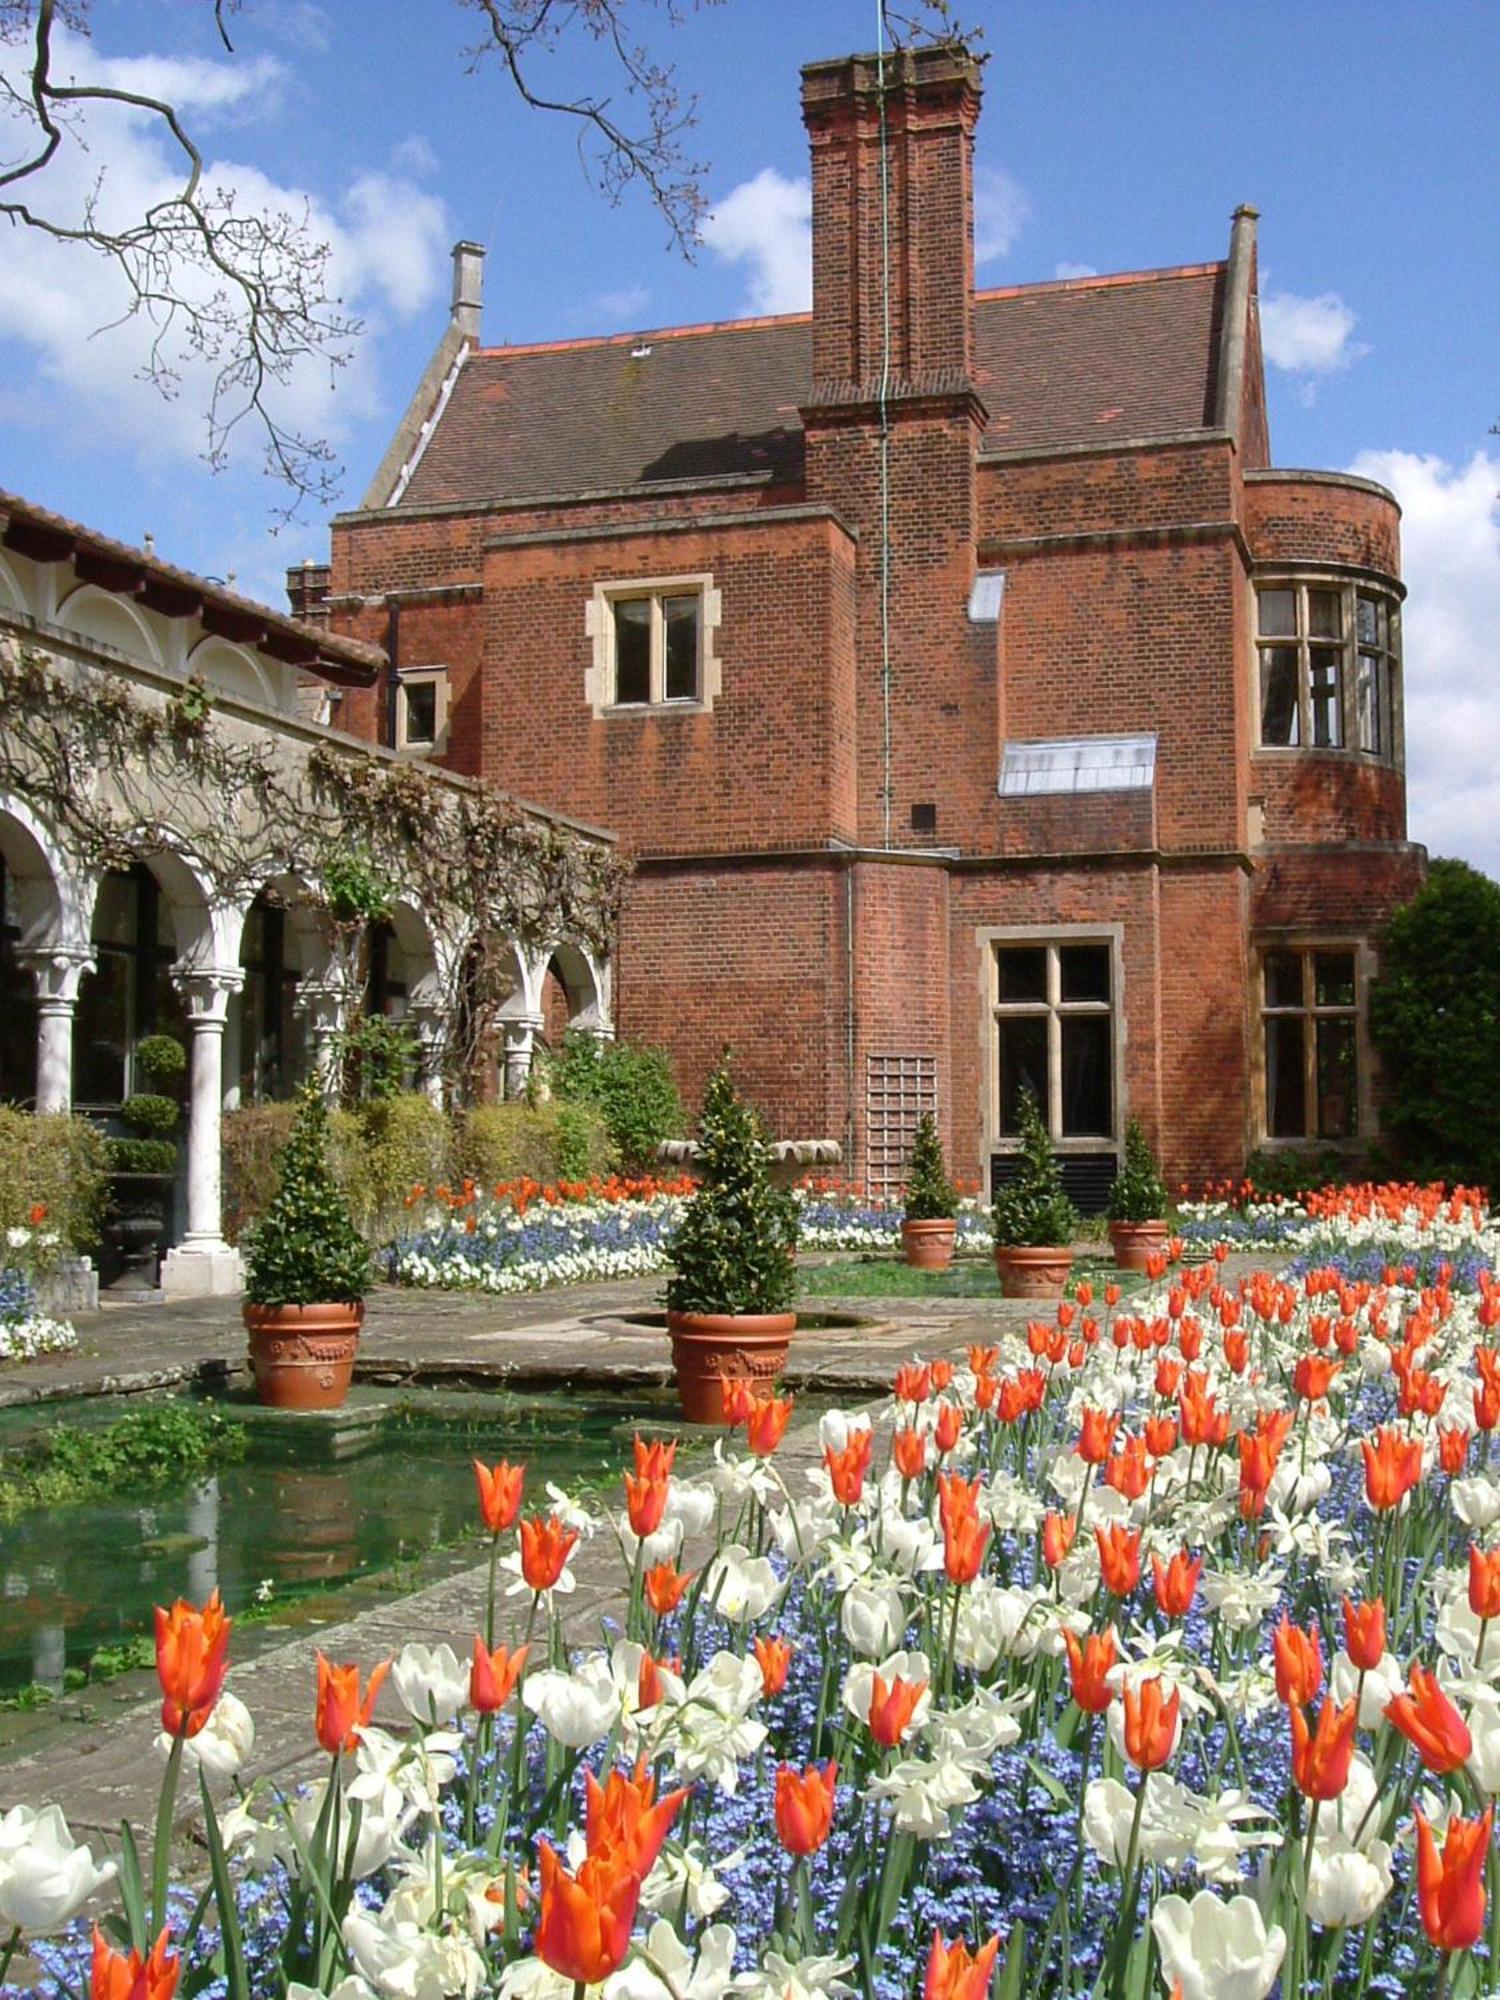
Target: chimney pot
[{"x": 468, "y": 287}]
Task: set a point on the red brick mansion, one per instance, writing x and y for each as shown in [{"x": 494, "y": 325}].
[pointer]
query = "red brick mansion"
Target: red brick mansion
[{"x": 978, "y": 704}]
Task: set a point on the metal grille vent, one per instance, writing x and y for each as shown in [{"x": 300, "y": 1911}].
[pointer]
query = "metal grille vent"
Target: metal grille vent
[{"x": 1086, "y": 1177}]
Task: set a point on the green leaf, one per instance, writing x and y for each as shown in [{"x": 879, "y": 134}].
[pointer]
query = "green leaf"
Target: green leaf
[{"x": 236, "y": 1981}]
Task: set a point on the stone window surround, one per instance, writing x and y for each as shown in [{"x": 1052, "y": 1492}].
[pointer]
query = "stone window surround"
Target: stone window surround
[
  {"x": 424, "y": 676},
  {"x": 599, "y": 625},
  {"x": 989, "y": 938},
  {"x": 1350, "y": 585},
  {"x": 1306, "y": 942}
]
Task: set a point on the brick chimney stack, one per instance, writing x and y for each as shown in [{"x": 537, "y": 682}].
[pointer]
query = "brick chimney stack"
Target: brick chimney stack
[{"x": 892, "y": 193}]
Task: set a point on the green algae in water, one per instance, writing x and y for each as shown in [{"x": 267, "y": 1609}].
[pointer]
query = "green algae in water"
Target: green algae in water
[{"x": 316, "y": 1503}]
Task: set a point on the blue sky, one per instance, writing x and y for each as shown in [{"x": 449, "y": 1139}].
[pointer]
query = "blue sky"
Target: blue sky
[{"x": 1112, "y": 138}]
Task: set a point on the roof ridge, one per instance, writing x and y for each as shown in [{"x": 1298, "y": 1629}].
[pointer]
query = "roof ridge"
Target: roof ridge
[
  {"x": 645, "y": 334},
  {"x": 1102, "y": 280}
]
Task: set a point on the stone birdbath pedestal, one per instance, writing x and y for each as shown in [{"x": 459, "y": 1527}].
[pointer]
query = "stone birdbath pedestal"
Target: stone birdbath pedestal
[{"x": 790, "y": 1158}]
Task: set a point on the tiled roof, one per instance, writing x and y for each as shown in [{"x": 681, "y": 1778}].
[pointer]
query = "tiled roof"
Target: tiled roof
[{"x": 1061, "y": 364}]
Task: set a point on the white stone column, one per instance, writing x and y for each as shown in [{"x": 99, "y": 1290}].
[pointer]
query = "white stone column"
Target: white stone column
[
  {"x": 57, "y": 970},
  {"x": 203, "y": 1263},
  {"x": 429, "y": 1023},
  {"x": 521, "y": 1031},
  {"x": 323, "y": 1002}
]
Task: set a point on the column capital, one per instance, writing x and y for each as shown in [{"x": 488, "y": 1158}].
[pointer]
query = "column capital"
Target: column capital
[
  {"x": 521, "y": 1030},
  {"x": 206, "y": 991},
  {"x": 57, "y": 969}
]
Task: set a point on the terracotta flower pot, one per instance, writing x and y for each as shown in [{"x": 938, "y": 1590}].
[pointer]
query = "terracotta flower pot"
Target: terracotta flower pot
[
  {"x": 303, "y": 1356},
  {"x": 928, "y": 1245},
  {"x": 1029, "y": 1271},
  {"x": 708, "y": 1346},
  {"x": 1133, "y": 1242}
]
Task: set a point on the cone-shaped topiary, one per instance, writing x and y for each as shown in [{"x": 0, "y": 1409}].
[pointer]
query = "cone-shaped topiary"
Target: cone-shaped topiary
[
  {"x": 1032, "y": 1212},
  {"x": 305, "y": 1250},
  {"x": 734, "y": 1250},
  {"x": 1139, "y": 1193},
  {"x": 929, "y": 1195}
]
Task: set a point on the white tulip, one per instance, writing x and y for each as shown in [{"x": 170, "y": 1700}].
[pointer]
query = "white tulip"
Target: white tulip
[
  {"x": 692, "y": 1504},
  {"x": 46, "y": 1876},
  {"x": 223, "y": 1744},
  {"x": 1218, "y": 1950},
  {"x": 576, "y": 1709},
  {"x": 430, "y": 1683},
  {"x": 351, "y": 1987},
  {"x": 739, "y": 1586},
  {"x": 1476, "y": 1501},
  {"x": 407, "y": 1963},
  {"x": 1347, "y": 1885},
  {"x": 1382, "y": 1683},
  {"x": 873, "y": 1616}
]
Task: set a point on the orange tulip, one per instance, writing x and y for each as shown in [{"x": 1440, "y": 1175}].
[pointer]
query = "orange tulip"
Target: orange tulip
[
  {"x": 909, "y": 1453},
  {"x": 499, "y": 1493},
  {"x": 1427, "y": 1718},
  {"x": 654, "y": 1460},
  {"x": 1089, "y": 1662},
  {"x": 1058, "y": 1531},
  {"x": 1393, "y": 1466},
  {"x": 341, "y": 1715},
  {"x": 1313, "y": 1376},
  {"x": 942, "y": 1375},
  {"x": 1484, "y": 1582},
  {"x": 739, "y": 1399},
  {"x": 804, "y": 1806},
  {"x": 1176, "y": 1583},
  {"x": 645, "y": 1503},
  {"x": 1364, "y": 1633},
  {"x": 1450, "y": 1889},
  {"x": 768, "y": 1419},
  {"x": 913, "y": 1383},
  {"x": 956, "y": 1973},
  {"x": 1299, "y": 1663},
  {"x": 847, "y": 1468},
  {"x": 1150, "y": 1723},
  {"x": 584, "y": 1928},
  {"x": 192, "y": 1658},
  {"x": 1161, "y": 1435},
  {"x": 949, "y": 1427},
  {"x": 625, "y": 1821},
  {"x": 774, "y": 1657},
  {"x": 1321, "y": 1755},
  {"x": 1129, "y": 1471},
  {"x": 1119, "y": 1558},
  {"x": 892, "y": 1708},
  {"x": 1097, "y": 1438},
  {"x": 1453, "y": 1448},
  {"x": 494, "y": 1675},
  {"x": 665, "y": 1588},
  {"x": 964, "y": 1539},
  {"x": 545, "y": 1547},
  {"x": 118, "y": 1975}
]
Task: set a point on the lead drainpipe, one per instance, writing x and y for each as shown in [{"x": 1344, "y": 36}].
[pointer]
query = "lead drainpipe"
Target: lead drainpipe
[
  {"x": 849, "y": 1017},
  {"x": 885, "y": 429},
  {"x": 393, "y": 655}
]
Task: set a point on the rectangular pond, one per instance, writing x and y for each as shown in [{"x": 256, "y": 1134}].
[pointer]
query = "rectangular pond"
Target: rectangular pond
[{"x": 318, "y": 1504}]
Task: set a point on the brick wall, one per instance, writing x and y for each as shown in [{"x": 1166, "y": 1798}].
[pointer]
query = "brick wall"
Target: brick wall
[{"x": 1322, "y": 517}]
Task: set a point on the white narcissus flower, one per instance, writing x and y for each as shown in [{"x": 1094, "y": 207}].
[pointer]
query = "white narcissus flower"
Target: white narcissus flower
[
  {"x": 922, "y": 1792},
  {"x": 683, "y": 1879},
  {"x": 873, "y": 1616},
  {"x": 662, "y": 1968},
  {"x": 430, "y": 1682},
  {"x": 739, "y": 1586},
  {"x": 576, "y": 1709},
  {"x": 46, "y": 1876},
  {"x": 778, "y": 1978},
  {"x": 1347, "y": 1885},
  {"x": 351, "y": 1987},
  {"x": 223, "y": 1743},
  {"x": 407, "y": 1963},
  {"x": 1217, "y": 1950}
]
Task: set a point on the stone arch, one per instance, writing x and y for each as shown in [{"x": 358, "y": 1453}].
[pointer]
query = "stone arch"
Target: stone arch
[
  {"x": 54, "y": 903},
  {"x": 98, "y": 614},
  {"x": 581, "y": 980},
  {"x": 11, "y": 592},
  {"x": 230, "y": 669}
]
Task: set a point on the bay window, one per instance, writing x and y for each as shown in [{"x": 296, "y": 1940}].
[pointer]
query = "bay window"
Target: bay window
[{"x": 1329, "y": 662}]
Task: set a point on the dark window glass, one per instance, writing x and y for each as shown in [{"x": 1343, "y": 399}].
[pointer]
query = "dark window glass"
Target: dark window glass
[
  {"x": 680, "y": 617},
  {"x": 1324, "y": 615},
  {"x": 17, "y": 1004},
  {"x": 1023, "y": 973},
  {"x": 1286, "y": 1096},
  {"x": 1324, "y": 699},
  {"x": 1023, "y": 1062},
  {"x": 1087, "y": 1098},
  {"x": 1338, "y": 1092},
  {"x": 1278, "y": 695},
  {"x": 633, "y": 649},
  {"x": 1283, "y": 971},
  {"x": 1278, "y": 613},
  {"x": 1084, "y": 971},
  {"x": 1369, "y": 621},
  {"x": 101, "y": 1027},
  {"x": 421, "y": 711},
  {"x": 1333, "y": 978}
]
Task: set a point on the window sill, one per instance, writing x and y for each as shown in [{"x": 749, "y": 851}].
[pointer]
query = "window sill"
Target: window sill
[
  {"x": 1290, "y": 750},
  {"x": 624, "y": 709}
]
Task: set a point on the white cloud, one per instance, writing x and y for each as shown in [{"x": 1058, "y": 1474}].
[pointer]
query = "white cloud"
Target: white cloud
[
  {"x": 1308, "y": 336},
  {"x": 627, "y": 304},
  {"x": 1066, "y": 270},
  {"x": 62, "y": 307},
  {"x": 1001, "y": 212},
  {"x": 1450, "y": 553},
  {"x": 766, "y": 224}
]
